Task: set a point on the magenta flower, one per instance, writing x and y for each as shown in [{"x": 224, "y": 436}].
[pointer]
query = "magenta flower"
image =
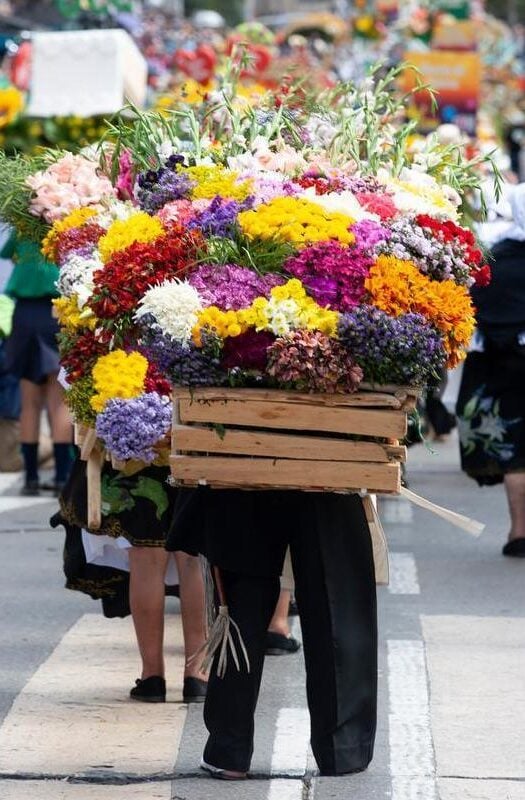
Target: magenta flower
[{"x": 230, "y": 287}]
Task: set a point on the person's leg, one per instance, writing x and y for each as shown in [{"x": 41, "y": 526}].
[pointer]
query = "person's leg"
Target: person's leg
[
  {"x": 32, "y": 402},
  {"x": 230, "y": 702},
  {"x": 336, "y": 595},
  {"x": 279, "y": 621},
  {"x": 193, "y": 610},
  {"x": 146, "y": 596},
  {"x": 515, "y": 489},
  {"x": 61, "y": 429},
  {"x": 279, "y": 640}
]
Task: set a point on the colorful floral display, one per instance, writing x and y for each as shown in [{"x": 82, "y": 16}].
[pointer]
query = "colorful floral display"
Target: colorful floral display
[{"x": 274, "y": 247}]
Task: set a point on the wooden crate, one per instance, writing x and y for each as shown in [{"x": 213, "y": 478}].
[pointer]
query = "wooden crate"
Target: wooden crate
[{"x": 261, "y": 439}]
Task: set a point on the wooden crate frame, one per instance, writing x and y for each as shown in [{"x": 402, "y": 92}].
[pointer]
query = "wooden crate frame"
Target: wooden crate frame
[{"x": 263, "y": 438}]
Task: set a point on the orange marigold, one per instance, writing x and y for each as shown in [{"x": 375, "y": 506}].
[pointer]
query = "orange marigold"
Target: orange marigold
[{"x": 398, "y": 287}]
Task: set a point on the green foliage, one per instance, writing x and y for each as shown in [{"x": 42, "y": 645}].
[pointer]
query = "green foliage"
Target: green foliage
[{"x": 15, "y": 194}]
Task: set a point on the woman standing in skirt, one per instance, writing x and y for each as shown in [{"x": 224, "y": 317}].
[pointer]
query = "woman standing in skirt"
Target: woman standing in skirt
[
  {"x": 138, "y": 505},
  {"x": 31, "y": 354},
  {"x": 491, "y": 403}
]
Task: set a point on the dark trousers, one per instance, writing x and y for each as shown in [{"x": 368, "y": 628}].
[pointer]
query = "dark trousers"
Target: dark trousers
[{"x": 335, "y": 593}]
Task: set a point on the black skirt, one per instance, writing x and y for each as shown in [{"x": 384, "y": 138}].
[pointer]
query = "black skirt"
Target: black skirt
[
  {"x": 491, "y": 414},
  {"x": 138, "y": 507},
  {"x": 31, "y": 350},
  {"x": 248, "y": 532}
]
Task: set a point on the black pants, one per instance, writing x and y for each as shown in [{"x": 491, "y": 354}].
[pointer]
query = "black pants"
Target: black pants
[{"x": 335, "y": 593}]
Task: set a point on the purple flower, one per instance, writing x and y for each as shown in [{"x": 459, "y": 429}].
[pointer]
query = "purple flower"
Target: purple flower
[
  {"x": 220, "y": 217},
  {"x": 185, "y": 365},
  {"x": 403, "y": 350},
  {"x": 130, "y": 429},
  {"x": 158, "y": 187},
  {"x": 231, "y": 287}
]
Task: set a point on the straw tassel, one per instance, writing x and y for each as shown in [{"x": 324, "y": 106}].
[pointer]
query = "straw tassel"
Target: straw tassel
[{"x": 221, "y": 630}]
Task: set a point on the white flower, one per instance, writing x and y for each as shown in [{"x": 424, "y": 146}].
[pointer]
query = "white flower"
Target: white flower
[
  {"x": 340, "y": 202},
  {"x": 115, "y": 209},
  {"x": 76, "y": 277},
  {"x": 174, "y": 306}
]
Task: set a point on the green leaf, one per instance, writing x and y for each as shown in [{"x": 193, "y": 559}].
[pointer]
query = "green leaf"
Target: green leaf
[{"x": 152, "y": 490}]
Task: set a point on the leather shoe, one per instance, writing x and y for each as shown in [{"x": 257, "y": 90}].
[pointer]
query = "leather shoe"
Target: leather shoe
[
  {"x": 194, "y": 690},
  {"x": 515, "y": 548},
  {"x": 277, "y": 644},
  {"x": 149, "y": 690}
]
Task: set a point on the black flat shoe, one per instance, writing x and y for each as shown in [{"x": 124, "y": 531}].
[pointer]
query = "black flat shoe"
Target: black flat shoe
[
  {"x": 515, "y": 548},
  {"x": 194, "y": 690},
  {"x": 149, "y": 690},
  {"x": 30, "y": 489},
  {"x": 277, "y": 644}
]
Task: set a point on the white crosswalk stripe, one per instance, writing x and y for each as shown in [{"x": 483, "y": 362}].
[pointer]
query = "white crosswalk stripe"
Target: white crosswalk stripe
[{"x": 403, "y": 574}]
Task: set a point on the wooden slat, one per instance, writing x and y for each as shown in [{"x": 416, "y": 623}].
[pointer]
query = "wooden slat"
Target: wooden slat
[
  {"x": 281, "y": 445},
  {"x": 264, "y": 472},
  {"x": 365, "y": 422},
  {"x": 375, "y": 399}
]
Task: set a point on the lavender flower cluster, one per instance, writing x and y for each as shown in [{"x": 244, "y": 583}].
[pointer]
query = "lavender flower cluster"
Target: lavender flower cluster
[
  {"x": 229, "y": 286},
  {"x": 404, "y": 349},
  {"x": 439, "y": 260},
  {"x": 131, "y": 428},
  {"x": 220, "y": 217},
  {"x": 158, "y": 187}
]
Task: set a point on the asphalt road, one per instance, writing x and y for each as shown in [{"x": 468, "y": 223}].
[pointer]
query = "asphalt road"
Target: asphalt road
[{"x": 452, "y": 673}]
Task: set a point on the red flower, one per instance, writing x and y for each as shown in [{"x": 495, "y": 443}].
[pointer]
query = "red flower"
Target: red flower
[
  {"x": 78, "y": 354},
  {"x": 154, "y": 381},
  {"x": 482, "y": 276},
  {"x": 129, "y": 273}
]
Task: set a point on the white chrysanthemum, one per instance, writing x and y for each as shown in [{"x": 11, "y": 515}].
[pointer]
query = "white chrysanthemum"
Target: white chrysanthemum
[
  {"x": 174, "y": 306},
  {"x": 76, "y": 276}
]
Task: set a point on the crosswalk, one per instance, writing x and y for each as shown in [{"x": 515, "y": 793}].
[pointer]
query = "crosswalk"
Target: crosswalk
[{"x": 450, "y": 728}]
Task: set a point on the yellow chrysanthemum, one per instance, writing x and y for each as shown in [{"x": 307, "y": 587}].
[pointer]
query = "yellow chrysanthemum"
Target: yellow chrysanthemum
[
  {"x": 140, "y": 227},
  {"x": 216, "y": 180},
  {"x": 296, "y": 220},
  {"x": 75, "y": 219},
  {"x": 118, "y": 374},
  {"x": 398, "y": 287},
  {"x": 70, "y": 316}
]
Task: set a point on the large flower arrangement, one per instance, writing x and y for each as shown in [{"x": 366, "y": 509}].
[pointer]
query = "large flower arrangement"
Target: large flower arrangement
[{"x": 276, "y": 247}]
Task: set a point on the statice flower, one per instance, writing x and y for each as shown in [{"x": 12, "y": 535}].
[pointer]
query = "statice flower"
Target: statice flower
[
  {"x": 437, "y": 259},
  {"x": 311, "y": 361},
  {"x": 171, "y": 307},
  {"x": 229, "y": 286},
  {"x": 130, "y": 429},
  {"x": 219, "y": 218},
  {"x": 404, "y": 350}
]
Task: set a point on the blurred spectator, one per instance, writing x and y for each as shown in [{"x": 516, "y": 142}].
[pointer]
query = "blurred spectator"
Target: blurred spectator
[
  {"x": 491, "y": 403},
  {"x": 31, "y": 354}
]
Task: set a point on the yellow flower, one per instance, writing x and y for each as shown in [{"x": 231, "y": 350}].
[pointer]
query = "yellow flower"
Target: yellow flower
[
  {"x": 122, "y": 233},
  {"x": 118, "y": 374},
  {"x": 11, "y": 104},
  {"x": 296, "y": 220},
  {"x": 216, "y": 180},
  {"x": 69, "y": 315},
  {"x": 75, "y": 219}
]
